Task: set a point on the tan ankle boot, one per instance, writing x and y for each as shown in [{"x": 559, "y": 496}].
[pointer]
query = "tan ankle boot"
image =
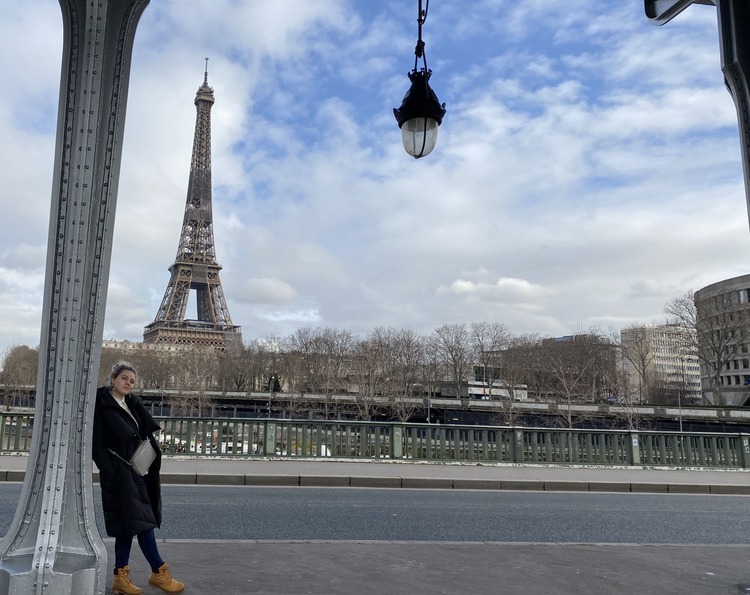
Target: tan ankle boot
[
  {"x": 121, "y": 584},
  {"x": 163, "y": 580}
]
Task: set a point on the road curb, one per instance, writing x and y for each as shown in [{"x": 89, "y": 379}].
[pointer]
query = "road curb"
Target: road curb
[{"x": 434, "y": 483}]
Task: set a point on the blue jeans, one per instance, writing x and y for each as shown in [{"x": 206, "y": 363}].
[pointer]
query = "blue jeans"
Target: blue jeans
[{"x": 147, "y": 543}]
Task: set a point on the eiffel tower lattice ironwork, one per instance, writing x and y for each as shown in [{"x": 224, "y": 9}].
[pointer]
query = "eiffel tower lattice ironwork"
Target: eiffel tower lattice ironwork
[{"x": 195, "y": 267}]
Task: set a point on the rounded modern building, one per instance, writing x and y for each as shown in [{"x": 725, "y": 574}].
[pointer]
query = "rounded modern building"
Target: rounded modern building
[{"x": 723, "y": 326}]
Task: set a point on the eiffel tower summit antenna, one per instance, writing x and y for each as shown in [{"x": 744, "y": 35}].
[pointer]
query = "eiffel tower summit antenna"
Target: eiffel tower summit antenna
[{"x": 195, "y": 268}]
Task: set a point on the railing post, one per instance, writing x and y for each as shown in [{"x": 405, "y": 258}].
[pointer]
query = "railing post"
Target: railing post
[
  {"x": 269, "y": 446},
  {"x": 217, "y": 428},
  {"x": 744, "y": 453},
  {"x": 635, "y": 449},
  {"x": 364, "y": 430},
  {"x": 397, "y": 445},
  {"x": 517, "y": 450}
]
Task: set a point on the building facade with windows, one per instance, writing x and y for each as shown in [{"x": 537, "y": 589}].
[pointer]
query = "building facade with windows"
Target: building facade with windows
[
  {"x": 723, "y": 325},
  {"x": 660, "y": 363}
]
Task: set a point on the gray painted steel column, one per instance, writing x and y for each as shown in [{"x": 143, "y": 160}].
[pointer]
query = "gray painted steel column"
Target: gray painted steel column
[
  {"x": 734, "y": 38},
  {"x": 53, "y": 545}
]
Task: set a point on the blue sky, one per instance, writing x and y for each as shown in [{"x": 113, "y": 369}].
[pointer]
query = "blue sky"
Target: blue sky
[{"x": 587, "y": 170}]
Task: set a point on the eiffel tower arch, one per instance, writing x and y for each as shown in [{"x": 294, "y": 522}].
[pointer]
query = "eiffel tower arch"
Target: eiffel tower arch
[{"x": 196, "y": 268}]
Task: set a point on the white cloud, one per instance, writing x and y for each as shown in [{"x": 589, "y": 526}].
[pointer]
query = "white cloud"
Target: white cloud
[
  {"x": 301, "y": 317},
  {"x": 518, "y": 292},
  {"x": 265, "y": 291}
]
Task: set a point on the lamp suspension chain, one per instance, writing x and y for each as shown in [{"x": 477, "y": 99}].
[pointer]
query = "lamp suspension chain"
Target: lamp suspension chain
[{"x": 419, "y": 49}]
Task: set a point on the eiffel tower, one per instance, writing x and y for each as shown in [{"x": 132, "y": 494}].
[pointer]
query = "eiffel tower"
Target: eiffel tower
[{"x": 195, "y": 267}]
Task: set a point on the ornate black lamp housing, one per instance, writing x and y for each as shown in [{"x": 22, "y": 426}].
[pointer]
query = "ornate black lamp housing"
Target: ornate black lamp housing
[{"x": 421, "y": 112}]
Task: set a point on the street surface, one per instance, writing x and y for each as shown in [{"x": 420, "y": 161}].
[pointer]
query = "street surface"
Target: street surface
[
  {"x": 346, "y": 514},
  {"x": 455, "y": 515}
]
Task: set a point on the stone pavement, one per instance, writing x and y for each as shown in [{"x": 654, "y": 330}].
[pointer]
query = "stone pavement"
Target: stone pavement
[
  {"x": 414, "y": 568},
  {"x": 400, "y": 474}
]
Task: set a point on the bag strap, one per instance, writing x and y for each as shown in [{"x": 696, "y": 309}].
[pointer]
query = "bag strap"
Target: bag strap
[{"x": 128, "y": 463}]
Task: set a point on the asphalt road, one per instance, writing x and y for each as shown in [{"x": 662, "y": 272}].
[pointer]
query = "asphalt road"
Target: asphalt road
[{"x": 334, "y": 514}]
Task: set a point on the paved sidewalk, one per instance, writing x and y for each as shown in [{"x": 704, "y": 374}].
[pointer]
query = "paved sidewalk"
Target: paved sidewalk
[
  {"x": 398, "y": 474},
  {"x": 416, "y": 568},
  {"x": 403, "y": 474}
]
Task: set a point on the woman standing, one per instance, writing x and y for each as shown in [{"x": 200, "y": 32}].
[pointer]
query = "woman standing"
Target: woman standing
[{"x": 131, "y": 502}]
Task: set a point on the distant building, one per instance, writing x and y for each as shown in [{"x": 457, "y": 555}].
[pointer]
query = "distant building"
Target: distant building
[
  {"x": 723, "y": 315},
  {"x": 659, "y": 363},
  {"x": 581, "y": 368},
  {"x": 136, "y": 346},
  {"x": 484, "y": 389}
]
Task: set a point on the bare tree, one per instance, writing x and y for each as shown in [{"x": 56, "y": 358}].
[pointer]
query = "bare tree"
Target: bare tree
[
  {"x": 195, "y": 374},
  {"x": 315, "y": 361},
  {"x": 431, "y": 372},
  {"x": 508, "y": 415},
  {"x": 604, "y": 348},
  {"x": 637, "y": 348},
  {"x": 372, "y": 370},
  {"x": 715, "y": 333},
  {"x": 487, "y": 340},
  {"x": 109, "y": 357},
  {"x": 294, "y": 406},
  {"x": 582, "y": 369},
  {"x": 524, "y": 363},
  {"x": 452, "y": 343},
  {"x": 625, "y": 411},
  {"x": 235, "y": 368},
  {"x": 268, "y": 358},
  {"x": 335, "y": 350},
  {"x": 292, "y": 367},
  {"x": 660, "y": 393},
  {"x": 408, "y": 359},
  {"x": 155, "y": 367},
  {"x": 515, "y": 363},
  {"x": 305, "y": 344},
  {"x": 20, "y": 365},
  {"x": 569, "y": 367}
]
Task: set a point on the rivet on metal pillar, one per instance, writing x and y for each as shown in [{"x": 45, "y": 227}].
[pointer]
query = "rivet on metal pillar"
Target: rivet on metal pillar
[{"x": 53, "y": 546}]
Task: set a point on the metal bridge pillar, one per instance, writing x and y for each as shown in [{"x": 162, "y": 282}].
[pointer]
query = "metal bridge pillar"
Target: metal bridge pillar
[
  {"x": 53, "y": 546},
  {"x": 734, "y": 41}
]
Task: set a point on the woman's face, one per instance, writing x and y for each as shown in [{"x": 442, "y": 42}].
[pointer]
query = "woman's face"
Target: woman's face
[{"x": 123, "y": 383}]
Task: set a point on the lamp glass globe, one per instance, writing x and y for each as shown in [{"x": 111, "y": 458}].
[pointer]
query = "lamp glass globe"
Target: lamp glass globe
[{"x": 419, "y": 136}]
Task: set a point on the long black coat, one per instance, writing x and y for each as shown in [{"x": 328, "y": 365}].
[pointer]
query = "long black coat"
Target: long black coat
[{"x": 131, "y": 503}]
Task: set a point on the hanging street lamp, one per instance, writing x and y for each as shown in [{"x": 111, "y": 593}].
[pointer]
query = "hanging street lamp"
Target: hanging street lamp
[{"x": 421, "y": 112}]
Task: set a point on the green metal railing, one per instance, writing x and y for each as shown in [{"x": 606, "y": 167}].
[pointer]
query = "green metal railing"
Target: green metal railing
[
  {"x": 15, "y": 432},
  {"x": 231, "y": 437}
]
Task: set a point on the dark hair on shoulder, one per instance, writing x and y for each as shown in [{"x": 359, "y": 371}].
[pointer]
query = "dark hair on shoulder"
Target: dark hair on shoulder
[{"x": 119, "y": 368}]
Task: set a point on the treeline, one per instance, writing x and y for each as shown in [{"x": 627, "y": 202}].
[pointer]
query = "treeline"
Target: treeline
[{"x": 387, "y": 362}]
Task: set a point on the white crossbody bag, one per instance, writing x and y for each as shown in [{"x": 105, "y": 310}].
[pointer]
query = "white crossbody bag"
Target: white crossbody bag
[{"x": 142, "y": 458}]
